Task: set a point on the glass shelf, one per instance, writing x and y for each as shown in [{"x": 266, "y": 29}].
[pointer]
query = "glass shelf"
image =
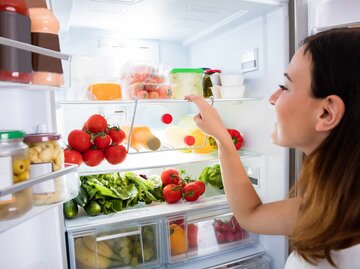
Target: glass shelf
[
  {"x": 154, "y": 210},
  {"x": 163, "y": 159},
  {"x": 65, "y": 60},
  {"x": 151, "y": 101},
  {"x": 72, "y": 187}
]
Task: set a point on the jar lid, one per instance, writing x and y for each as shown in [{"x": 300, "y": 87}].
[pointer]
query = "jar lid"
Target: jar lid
[
  {"x": 41, "y": 137},
  {"x": 212, "y": 71},
  {"x": 186, "y": 70},
  {"x": 11, "y": 134}
]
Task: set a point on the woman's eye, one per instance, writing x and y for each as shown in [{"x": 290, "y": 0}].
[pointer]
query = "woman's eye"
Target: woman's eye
[{"x": 282, "y": 87}]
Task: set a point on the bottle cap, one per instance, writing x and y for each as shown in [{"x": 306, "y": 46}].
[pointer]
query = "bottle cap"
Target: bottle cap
[
  {"x": 153, "y": 143},
  {"x": 189, "y": 140},
  {"x": 166, "y": 118},
  {"x": 36, "y": 3}
]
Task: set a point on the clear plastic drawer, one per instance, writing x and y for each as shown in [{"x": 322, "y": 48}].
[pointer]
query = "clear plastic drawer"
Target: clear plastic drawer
[
  {"x": 205, "y": 236},
  {"x": 125, "y": 247}
]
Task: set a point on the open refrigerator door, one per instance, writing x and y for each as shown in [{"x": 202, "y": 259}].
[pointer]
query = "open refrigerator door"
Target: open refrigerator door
[{"x": 127, "y": 58}]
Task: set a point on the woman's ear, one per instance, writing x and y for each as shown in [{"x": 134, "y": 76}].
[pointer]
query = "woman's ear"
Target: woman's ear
[{"x": 332, "y": 111}]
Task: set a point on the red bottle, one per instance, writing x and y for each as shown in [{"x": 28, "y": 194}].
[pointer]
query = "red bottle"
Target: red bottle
[{"x": 15, "y": 64}]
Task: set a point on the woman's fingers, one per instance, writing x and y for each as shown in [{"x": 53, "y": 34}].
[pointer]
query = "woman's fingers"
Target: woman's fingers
[{"x": 198, "y": 101}]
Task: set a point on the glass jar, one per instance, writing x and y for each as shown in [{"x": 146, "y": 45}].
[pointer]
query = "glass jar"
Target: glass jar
[
  {"x": 207, "y": 84},
  {"x": 14, "y": 168},
  {"x": 186, "y": 81},
  {"x": 15, "y": 64},
  {"x": 46, "y": 156}
]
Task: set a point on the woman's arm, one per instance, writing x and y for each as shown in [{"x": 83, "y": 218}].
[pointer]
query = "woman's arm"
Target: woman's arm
[{"x": 271, "y": 218}]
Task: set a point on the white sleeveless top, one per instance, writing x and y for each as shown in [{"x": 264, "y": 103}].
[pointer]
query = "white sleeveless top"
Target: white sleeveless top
[{"x": 348, "y": 258}]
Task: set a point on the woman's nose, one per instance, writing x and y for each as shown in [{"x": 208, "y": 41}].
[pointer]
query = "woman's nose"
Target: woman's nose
[{"x": 273, "y": 98}]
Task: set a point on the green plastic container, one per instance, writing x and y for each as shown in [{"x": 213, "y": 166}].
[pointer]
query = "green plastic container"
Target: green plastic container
[{"x": 186, "y": 81}]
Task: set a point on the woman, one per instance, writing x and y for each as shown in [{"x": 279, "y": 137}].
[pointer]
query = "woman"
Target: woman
[{"x": 318, "y": 112}]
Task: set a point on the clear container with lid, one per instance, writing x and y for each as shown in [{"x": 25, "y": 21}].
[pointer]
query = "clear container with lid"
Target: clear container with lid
[
  {"x": 186, "y": 81},
  {"x": 46, "y": 156},
  {"x": 14, "y": 168}
]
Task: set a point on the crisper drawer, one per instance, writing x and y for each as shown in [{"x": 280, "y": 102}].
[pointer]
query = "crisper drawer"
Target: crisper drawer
[
  {"x": 257, "y": 262},
  {"x": 196, "y": 238},
  {"x": 127, "y": 246}
]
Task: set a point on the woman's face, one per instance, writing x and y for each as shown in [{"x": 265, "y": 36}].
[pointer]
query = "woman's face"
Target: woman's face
[{"x": 296, "y": 110}]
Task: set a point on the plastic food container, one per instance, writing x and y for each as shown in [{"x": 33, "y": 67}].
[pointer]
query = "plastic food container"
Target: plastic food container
[
  {"x": 232, "y": 92},
  {"x": 185, "y": 81},
  {"x": 46, "y": 156},
  {"x": 104, "y": 91},
  {"x": 144, "y": 81},
  {"x": 232, "y": 79},
  {"x": 14, "y": 168},
  {"x": 141, "y": 90}
]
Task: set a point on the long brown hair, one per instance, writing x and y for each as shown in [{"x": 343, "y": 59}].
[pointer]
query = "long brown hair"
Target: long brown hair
[{"x": 329, "y": 217}]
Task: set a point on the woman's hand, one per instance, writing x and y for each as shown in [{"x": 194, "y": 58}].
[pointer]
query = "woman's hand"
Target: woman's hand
[{"x": 208, "y": 118}]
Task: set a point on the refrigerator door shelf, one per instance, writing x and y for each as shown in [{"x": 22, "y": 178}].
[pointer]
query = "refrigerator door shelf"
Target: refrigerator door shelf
[
  {"x": 72, "y": 187},
  {"x": 48, "y": 80},
  {"x": 190, "y": 239},
  {"x": 134, "y": 244}
]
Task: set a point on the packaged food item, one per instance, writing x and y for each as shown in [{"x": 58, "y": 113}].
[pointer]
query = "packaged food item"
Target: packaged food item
[
  {"x": 104, "y": 91},
  {"x": 46, "y": 156},
  {"x": 141, "y": 138},
  {"x": 14, "y": 168},
  {"x": 146, "y": 82},
  {"x": 207, "y": 82},
  {"x": 44, "y": 33},
  {"x": 15, "y": 64},
  {"x": 186, "y": 81}
]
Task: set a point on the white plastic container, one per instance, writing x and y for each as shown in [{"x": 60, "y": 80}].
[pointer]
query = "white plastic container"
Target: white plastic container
[
  {"x": 232, "y": 92},
  {"x": 231, "y": 79}
]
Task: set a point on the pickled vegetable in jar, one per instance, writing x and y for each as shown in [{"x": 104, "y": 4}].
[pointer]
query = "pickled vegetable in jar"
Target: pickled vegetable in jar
[
  {"x": 14, "y": 168},
  {"x": 207, "y": 84},
  {"x": 46, "y": 156}
]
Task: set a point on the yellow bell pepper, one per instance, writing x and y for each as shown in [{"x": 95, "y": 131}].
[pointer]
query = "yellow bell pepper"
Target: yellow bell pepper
[
  {"x": 177, "y": 240},
  {"x": 199, "y": 142}
]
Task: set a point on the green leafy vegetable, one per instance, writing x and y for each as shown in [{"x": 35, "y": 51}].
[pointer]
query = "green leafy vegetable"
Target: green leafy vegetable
[{"x": 212, "y": 176}]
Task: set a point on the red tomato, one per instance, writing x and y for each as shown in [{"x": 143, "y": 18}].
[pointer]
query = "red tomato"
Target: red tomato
[
  {"x": 102, "y": 141},
  {"x": 192, "y": 235},
  {"x": 115, "y": 154},
  {"x": 191, "y": 192},
  {"x": 201, "y": 186},
  {"x": 79, "y": 140},
  {"x": 96, "y": 123},
  {"x": 93, "y": 157},
  {"x": 172, "y": 193},
  {"x": 117, "y": 135},
  {"x": 170, "y": 176},
  {"x": 72, "y": 156}
]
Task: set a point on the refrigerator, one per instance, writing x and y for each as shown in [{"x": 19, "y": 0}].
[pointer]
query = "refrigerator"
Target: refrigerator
[{"x": 98, "y": 39}]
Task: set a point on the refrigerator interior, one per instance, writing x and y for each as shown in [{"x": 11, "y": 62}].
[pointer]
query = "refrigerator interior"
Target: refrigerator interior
[{"x": 185, "y": 34}]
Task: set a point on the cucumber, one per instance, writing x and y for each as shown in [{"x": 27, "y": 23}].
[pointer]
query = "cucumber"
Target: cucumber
[
  {"x": 70, "y": 209},
  {"x": 82, "y": 198},
  {"x": 92, "y": 208}
]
